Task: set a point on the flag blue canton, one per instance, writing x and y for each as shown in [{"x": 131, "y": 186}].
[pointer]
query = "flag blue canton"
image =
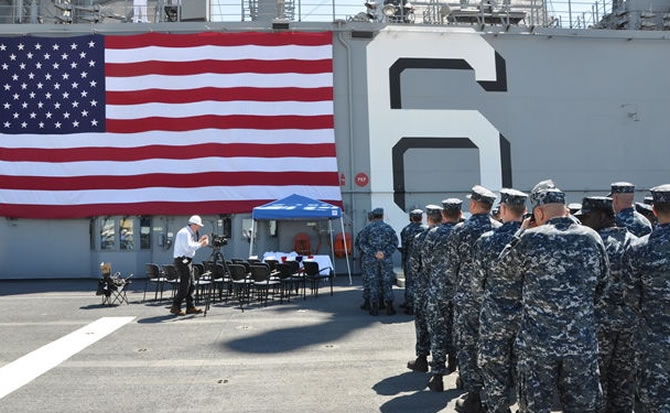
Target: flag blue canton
[{"x": 52, "y": 85}]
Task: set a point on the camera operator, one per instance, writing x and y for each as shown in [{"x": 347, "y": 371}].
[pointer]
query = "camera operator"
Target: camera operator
[{"x": 186, "y": 243}]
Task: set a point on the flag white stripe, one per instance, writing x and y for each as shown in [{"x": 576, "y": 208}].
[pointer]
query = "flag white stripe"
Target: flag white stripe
[
  {"x": 187, "y": 54},
  {"x": 279, "y": 59},
  {"x": 126, "y": 140},
  {"x": 167, "y": 82},
  {"x": 159, "y": 194},
  {"x": 168, "y": 166},
  {"x": 184, "y": 110}
]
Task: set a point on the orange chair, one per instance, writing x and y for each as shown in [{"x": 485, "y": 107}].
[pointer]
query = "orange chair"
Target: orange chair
[
  {"x": 339, "y": 247},
  {"x": 302, "y": 244}
]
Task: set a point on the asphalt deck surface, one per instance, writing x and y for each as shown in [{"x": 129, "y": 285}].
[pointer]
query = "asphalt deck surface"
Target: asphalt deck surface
[{"x": 322, "y": 354}]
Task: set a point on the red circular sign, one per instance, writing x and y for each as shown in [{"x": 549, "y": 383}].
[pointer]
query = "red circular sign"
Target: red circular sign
[{"x": 362, "y": 179}]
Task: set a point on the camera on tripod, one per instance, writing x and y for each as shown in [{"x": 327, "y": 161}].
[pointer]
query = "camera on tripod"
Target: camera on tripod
[{"x": 218, "y": 241}]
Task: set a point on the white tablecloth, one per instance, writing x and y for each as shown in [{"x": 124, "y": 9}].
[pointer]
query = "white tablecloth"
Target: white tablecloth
[{"x": 323, "y": 260}]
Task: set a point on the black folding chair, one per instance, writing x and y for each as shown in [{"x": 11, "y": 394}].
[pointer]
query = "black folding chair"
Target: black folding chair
[
  {"x": 263, "y": 282},
  {"x": 156, "y": 276},
  {"x": 288, "y": 279},
  {"x": 220, "y": 279},
  {"x": 315, "y": 276},
  {"x": 171, "y": 277},
  {"x": 203, "y": 285},
  {"x": 298, "y": 277},
  {"x": 113, "y": 287},
  {"x": 240, "y": 282}
]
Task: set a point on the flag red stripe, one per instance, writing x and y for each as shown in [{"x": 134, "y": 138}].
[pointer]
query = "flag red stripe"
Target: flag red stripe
[
  {"x": 143, "y": 208},
  {"x": 220, "y": 95},
  {"x": 218, "y": 66},
  {"x": 147, "y": 188},
  {"x": 40, "y": 183},
  {"x": 219, "y": 122},
  {"x": 229, "y": 150},
  {"x": 218, "y": 39}
]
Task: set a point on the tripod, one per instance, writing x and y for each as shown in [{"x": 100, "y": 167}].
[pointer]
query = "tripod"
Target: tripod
[{"x": 213, "y": 259}]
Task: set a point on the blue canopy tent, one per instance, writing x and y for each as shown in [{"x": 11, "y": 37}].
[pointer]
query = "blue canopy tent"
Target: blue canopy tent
[{"x": 298, "y": 207}]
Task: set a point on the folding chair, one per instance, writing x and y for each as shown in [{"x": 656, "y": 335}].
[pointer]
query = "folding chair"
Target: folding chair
[
  {"x": 203, "y": 284},
  {"x": 315, "y": 275},
  {"x": 156, "y": 276},
  {"x": 263, "y": 282},
  {"x": 220, "y": 279},
  {"x": 112, "y": 287},
  {"x": 288, "y": 279},
  {"x": 171, "y": 277},
  {"x": 298, "y": 276},
  {"x": 240, "y": 282}
]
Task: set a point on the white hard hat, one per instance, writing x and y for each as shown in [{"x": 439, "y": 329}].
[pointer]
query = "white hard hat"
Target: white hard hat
[{"x": 195, "y": 219}]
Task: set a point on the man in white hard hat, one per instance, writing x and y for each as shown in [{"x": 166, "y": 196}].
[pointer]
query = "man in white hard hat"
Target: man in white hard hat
[{"x": 186, "y": 243}]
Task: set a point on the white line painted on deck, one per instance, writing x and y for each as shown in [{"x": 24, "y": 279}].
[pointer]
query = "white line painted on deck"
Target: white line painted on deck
[{"x": 26, "y": 369}]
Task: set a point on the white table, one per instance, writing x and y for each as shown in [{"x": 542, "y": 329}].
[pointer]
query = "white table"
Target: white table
[{"x": 323, "y": 260}]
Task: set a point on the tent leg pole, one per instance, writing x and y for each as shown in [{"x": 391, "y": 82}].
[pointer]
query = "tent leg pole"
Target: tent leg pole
[
  {"x": 332, "y": 243},
  {"x": 346, "y": 251}
]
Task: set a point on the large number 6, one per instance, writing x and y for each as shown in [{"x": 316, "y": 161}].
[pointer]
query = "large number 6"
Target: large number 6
[{"x": 394, "y": 130}]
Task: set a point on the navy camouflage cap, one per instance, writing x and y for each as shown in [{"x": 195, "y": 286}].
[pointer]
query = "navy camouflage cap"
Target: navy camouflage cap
[
  {"x": 592, "y": 204},
  {"x": 621, "y": 188},
  {"x": 649, "y": 200},
  {"x": 574, "y": 207},
  {"x": 661, "y": 194},
  {"x": 378, "y": 212},
  {"x": 452, "y": 203},
  {"x": 416, "y": 212},
  {"x": 546, "y": 192},
  {"x": 433, "y": 211},
  {"x": 512, "y": 197},
  {"x": 643, "y": 208},
  {"x": 542, "y": 185},
  {"x": 481, "y": 194}
]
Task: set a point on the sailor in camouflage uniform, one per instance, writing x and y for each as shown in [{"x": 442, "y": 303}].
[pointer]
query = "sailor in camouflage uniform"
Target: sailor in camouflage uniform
[
  {"x": 439, "y": 309},
  {"x": 616, "y": 322},
  {"x": 648, "y": 292},
  {"x": 419, "y": 262},
  {"x": 364, "y": 278},
  {"x": 500, "y": 306},
  {"x": 378, "y": 244},
  {"x": 562, "y": 269},
  {"x": 647, "y": 211},
  {"x": 460, "y": 269},
  {"x": 623, "y": 194},
  {"x": 407, "y": 235}
]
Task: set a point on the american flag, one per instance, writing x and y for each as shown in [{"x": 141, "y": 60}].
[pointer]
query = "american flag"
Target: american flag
[{"x": 177, "y": 124}]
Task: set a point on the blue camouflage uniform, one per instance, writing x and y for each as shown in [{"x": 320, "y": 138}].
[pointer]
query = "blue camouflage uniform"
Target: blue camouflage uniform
[
  {"x": 379, "y": 236},
  {"x": 500, "y": 310},
  {"x": 562, "y": 269},
  {"x": 439, "y": 309},
  {"x": 418, "y": 262},
  {"x": 647, "y": 211},
  {"x": 460, "y": 270},
  {"x": 616, "y": 322},
  {"x": 407, "y": 235},
  {"x": 648, "y": 292},
  {"x": 629, "y": 218},
  {"x": 635, "y": 222},
  {"x": 357, "y": 248}
]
